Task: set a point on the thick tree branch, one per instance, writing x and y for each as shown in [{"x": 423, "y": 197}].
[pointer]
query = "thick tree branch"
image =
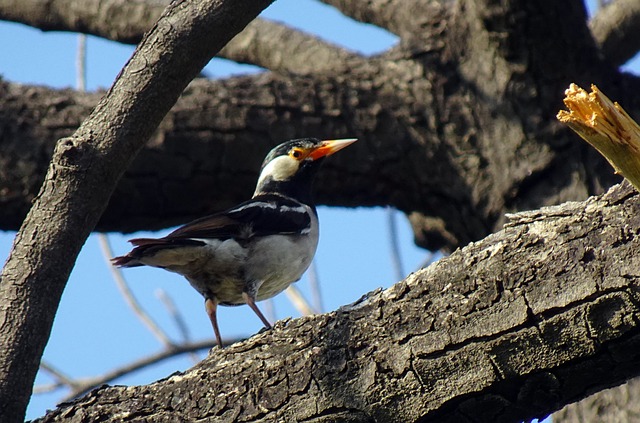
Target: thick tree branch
[
  {"x": 83, "y": 173},
  {"x": 615, "y": 29},
  {"x": 402, "y": 17},
  {"x": 513, "y": 327},
  {"x": 282, "y": 49},
  {"x": 262, "y": 43},
  {"x": 456, "y": 129},
  {"x": 117, "y": 20}
]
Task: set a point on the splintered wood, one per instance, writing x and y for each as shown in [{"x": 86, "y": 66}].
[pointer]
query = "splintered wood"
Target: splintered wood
[{"x": 607, "y": 127}]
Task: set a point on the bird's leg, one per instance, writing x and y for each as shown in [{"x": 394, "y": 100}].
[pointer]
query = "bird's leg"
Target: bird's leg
[
  {"x": 251, "y": 302},
  {"x": 211, "y": 305}
]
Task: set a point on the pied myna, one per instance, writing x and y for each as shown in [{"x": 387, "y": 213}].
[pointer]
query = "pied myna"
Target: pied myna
[{"x": 255, "y": 250}]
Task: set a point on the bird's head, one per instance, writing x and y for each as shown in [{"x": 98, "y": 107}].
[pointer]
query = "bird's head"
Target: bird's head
[{"x": 289, "y": 168}]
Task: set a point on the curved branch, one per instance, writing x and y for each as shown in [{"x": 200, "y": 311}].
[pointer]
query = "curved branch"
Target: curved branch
[
  {"x": 511, "y": 328},
  {"x": 455, "y": 130},
  {"x": 262, "y": 43},
  {"x": 84, "y": 171},
  {"x": 116, "y": 20},
  {"x": 402, "y": 17},
  {"x": 282, "y": 49},
  {"x": 615, "y": 28}
]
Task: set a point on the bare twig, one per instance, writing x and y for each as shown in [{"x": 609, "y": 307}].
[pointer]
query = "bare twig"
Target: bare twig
[
  {"x": 295, "y": 296},
  {"x": 175, "y": 314},
  {"x": 146, "y": 361},
  {"x": 129, "y": 297},
  {"x": 81, "y": 63},
  {"x": 314, "y": 286},
  {"x": 428, "y": 259},
  {"x": 61, "y": 378},
  {"x": 47, "y": 388},
  {"x": 178, "y": 319},
  {"x": 270, "y": 309},
  {"x": 396, "y": 258}
]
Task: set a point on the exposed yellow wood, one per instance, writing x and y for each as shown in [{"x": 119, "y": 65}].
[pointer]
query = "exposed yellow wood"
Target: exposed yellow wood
[{"x": 607, "y": 127}]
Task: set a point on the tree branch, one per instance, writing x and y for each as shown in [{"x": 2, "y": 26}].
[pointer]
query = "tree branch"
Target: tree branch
[
  {"x": 456, "y": 127},
  {"x": 615, "y": 28},
  {"x": 262, "y": 43},
  {"x": 116, "y": 20},
  {"x": 83, "y": 386},
  {"x": 83, "y": 173},
  {"x": 402, "y": 17},
  {"x": 282, "y": 49},
  {"x": 510, "y": 328}
]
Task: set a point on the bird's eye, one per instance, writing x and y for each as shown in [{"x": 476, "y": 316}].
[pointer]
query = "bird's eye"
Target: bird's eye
[{"x": 296, "y": 153}]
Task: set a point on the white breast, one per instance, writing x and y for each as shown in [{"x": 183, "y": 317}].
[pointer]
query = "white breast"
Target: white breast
[{"x": 278, "y": 261}]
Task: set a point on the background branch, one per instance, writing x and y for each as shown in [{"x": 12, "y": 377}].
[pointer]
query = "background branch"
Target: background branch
[
  {"x": 615, "y": 28},
  {"x": 402, "y": 17}
]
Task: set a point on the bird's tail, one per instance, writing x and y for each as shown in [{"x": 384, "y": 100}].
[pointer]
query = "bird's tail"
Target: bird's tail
[
  {"x": 126, "y": 261},
  {"x": 141, "y": 246},
  {"x": 146, "y": 247}
]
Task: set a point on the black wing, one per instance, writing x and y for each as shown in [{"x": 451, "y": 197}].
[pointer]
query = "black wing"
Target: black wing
[{"x": 262, "y": 215}]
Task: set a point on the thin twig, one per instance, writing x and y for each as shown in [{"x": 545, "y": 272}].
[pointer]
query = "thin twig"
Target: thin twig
[
  {"x": 314, "y": 286},
  {"x": 178, "y": 319},
  {"x": 270, "y": 309},
  {"x": 295, "y": 296},
  {"x": 47, "y": 388},
  {"x": 81, "y": 63},
  {"x": 129, "y": 297},
  {"x": 59, "y": 376},
  {"x": 139, "y": 364},
  {"x": 396, "y": 258}
]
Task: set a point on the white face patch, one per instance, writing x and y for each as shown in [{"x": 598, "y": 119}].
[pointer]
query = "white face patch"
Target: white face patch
[{"x": 279, "y": 169}]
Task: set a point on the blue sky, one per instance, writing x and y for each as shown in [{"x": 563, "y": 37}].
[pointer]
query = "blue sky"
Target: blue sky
[{"x": 94, "y": 330}]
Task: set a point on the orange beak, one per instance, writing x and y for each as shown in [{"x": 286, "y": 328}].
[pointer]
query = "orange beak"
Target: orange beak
[{"x": 329, "y": 147}]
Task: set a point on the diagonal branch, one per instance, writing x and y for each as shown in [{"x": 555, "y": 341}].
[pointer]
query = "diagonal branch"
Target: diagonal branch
[
  {"x": 615, "y": 28},
  {"x": 84, "y": 171},
  {"x": 510, "y": 328},
  {"x": 128, "y": 296},
  {"x": 80, "y": 387}
]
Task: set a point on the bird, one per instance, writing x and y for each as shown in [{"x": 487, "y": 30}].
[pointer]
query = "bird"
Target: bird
[{"x": 255, "y": 250}]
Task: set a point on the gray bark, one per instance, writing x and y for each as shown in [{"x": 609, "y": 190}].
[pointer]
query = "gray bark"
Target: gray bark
[
  {"x": 83, "y": 174},
  {"x": 457, "y": 127},
  {"x": 456, "y": 124},
  {"x": 535, "y": 316}
]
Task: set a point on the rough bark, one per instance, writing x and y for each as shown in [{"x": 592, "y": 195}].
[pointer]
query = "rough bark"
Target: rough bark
[
  {"x": 456, "y": 124},
  {"x": 457, "y": 127},
  {"x": 83, "y": 173},
  {"x": 510, "y": 328}
]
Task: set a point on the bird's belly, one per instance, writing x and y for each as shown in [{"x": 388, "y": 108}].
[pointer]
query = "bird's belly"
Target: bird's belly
[
  {"x": 225, "y": 269},
  {"x": 215, "y": 269},
  {"x": 278, "y": 261}
]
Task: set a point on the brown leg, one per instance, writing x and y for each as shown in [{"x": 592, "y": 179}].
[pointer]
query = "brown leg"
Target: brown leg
[
  {"x": 211, "y": 304},
  {"x": 252, "y": 303}
]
